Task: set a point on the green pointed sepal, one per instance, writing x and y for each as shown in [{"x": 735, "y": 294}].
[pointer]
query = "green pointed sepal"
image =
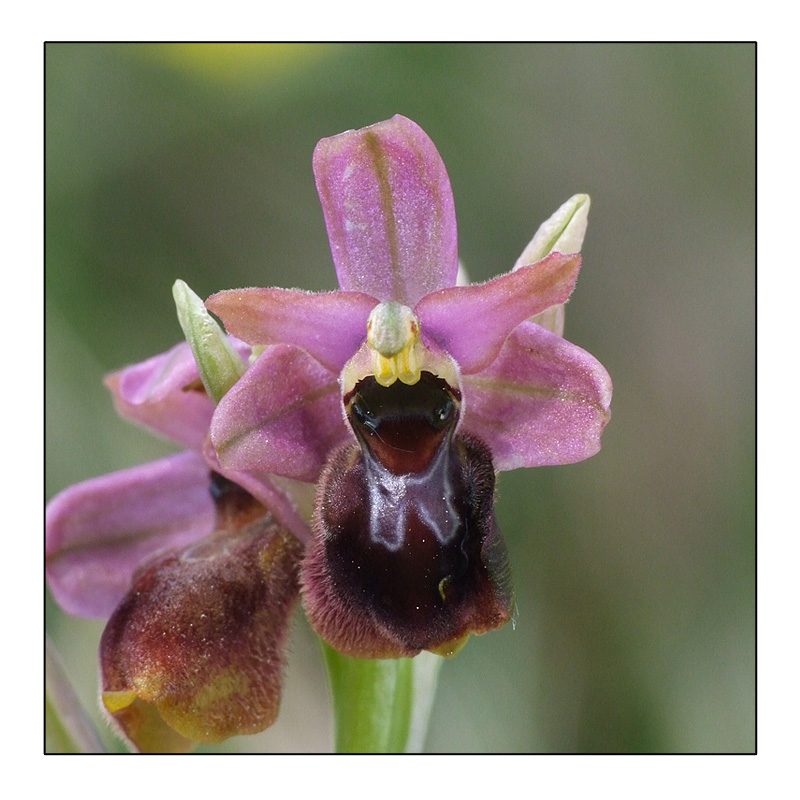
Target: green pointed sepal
[
  {"x": 562, "y": 233},
  {"x": 219, "y": 364}
]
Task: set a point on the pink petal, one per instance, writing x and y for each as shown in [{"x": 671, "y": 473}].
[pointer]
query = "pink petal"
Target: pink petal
[
  {"x": 542, "y": 401},
  {"x": 158, "y": 377},
  {"x": 165, "y": 395},
  {"x": 330, "y": 327},
  {"x": 389, "y": 211},
  {"x": 283, "y": 417},
  {"x": 472, "y": 322},
  {"x": 98, "y": 532}
]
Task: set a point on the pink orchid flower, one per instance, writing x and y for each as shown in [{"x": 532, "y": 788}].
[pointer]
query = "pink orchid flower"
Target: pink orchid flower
[
  {"x": 405, "y": 554},
  {"x": 399, "y": 396}
]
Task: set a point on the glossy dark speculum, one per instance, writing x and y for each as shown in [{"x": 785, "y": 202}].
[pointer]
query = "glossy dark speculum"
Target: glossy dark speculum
[{"x": 406, "y": 554}]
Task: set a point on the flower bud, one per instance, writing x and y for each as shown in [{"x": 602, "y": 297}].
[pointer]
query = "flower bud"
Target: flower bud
[{"x": 562, "y": 233}]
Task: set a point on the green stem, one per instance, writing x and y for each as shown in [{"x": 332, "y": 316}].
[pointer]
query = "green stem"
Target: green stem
[{"x": 381, "y": 706}]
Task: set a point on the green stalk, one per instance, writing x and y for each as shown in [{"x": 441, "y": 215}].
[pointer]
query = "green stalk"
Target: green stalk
[{"x": 383, "y": 705}]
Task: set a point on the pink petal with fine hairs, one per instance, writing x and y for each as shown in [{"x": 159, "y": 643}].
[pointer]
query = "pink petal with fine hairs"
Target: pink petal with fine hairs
[
  {"x": 472, "y": 322},
  {"x": 331, "y": 327}
]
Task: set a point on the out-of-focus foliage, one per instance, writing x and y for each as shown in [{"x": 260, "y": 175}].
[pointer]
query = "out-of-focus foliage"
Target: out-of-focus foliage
[{"x": 634, "y": 570}]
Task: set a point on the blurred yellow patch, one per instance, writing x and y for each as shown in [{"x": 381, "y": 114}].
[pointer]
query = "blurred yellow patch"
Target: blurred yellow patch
[{"x": 235, "y": 62}]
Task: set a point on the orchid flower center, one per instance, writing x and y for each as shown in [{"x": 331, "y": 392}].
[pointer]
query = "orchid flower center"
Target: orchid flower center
[
  {"x": 393, "y": 337},
  {"x": 394, "y": 351}
]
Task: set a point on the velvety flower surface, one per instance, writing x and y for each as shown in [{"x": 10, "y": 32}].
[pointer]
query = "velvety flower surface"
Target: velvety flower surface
[{"x": 199, "y": 640}]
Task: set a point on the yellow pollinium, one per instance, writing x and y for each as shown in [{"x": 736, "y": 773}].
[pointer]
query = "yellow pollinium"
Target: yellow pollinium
[
  {"x": 393, "y": 338},
  {"x": 404, "y": 366}
]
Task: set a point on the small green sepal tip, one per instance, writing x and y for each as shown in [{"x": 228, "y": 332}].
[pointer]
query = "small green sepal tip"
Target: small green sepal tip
[
  {"x": 562, "y": 233},
  {"x": 219, "y": 364}
]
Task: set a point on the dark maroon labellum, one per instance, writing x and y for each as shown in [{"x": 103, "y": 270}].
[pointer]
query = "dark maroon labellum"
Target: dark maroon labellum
[{"x": 407, "y": 555}]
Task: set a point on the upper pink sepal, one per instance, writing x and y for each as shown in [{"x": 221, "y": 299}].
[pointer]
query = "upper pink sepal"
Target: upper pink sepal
[
  {"x": 389, "y": 211},
  {"x": 165, "y": 395}
]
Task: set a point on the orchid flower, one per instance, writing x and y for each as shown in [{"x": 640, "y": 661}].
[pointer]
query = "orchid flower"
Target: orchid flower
[
  {"x": 195, "y": 576},
  {"x": 398, "y": 397},
  {"x": 440, "y": 386}
]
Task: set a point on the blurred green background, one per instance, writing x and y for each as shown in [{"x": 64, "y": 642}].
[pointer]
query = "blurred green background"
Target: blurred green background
[{"x": 635, "y": 570}]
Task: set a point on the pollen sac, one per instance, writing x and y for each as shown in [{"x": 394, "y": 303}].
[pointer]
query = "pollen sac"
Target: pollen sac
[
  {"x": 195, "y": 651},
  {"x": 406, "y": 553}
]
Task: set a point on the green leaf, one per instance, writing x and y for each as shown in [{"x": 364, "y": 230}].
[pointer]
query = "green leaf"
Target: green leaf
[{"x": 382, "y": 705}]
